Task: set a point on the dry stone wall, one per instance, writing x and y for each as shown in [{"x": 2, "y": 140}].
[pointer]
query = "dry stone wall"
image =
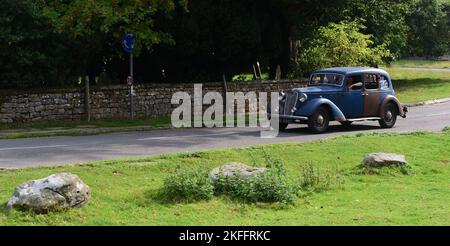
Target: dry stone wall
[{"x": 151, "y": 100}]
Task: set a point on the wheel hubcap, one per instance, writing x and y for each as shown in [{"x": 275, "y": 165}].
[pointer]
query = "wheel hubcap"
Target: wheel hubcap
[
  {"x": 388, "y": 115},
  {"x": 320, "y": 120}
]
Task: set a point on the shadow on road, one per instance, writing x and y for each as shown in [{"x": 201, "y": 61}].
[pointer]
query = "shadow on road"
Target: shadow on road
[{"x": 334, "y": 128}]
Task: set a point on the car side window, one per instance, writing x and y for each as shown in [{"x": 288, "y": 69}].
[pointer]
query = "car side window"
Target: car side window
[
  {"x": 371, "y": 81},
  {"x": 384, "y": 84},
  {"x": 354, "y": 82}
]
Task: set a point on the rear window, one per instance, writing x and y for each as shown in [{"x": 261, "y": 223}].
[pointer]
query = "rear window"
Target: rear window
[
  {"x": 326, "y": 79},
  {"x": 371, "y": 81},
  {"x": 384, "y": 84}
]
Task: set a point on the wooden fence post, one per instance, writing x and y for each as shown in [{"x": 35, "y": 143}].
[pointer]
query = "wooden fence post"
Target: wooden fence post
[{"x": 87, "y": 106}]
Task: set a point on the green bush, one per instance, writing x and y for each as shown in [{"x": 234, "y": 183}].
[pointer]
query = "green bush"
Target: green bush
[
  {"x": 338, "y": 45},
  {"x": 270, "y": 186},
  {"x": 188, "y": 185},
  {"x": 386, "y": 170}
]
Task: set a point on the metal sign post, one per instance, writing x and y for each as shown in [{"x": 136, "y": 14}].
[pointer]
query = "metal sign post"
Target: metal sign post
[{"x": 128, "y": 45}]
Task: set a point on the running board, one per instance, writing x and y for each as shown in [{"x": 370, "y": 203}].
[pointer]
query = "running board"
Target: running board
[
  {"x": 290, "y": 117},
  {"x": 361, "y": 119}
]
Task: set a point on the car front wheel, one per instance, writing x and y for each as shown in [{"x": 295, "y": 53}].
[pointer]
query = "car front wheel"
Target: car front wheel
[
  {"x": 319, "y": 121},
  {"x": 389, "y": 116}
]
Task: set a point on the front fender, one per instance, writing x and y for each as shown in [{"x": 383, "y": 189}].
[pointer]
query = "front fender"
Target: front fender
[
  {"x": 312, "y": 105},
  {"x": 393, "y": 99}
]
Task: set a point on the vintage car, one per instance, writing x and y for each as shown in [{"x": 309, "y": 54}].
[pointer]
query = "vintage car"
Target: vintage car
[{"x": 343, "y": 94}]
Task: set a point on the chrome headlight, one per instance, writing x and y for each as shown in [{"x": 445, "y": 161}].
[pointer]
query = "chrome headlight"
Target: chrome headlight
[
  {"x": 281, "y": 96},
  {"x": 303, "y": 97}
]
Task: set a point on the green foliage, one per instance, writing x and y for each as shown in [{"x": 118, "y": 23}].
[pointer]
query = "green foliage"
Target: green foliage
[
  {"x": 340, "y": 44},
  {"x": 53, "y": 42},
  {"x": 386, "y": 21},
  {"x": 313, "y": 179},
  {"x": 95, "y": 22},
  {"x": 30, "y": 52},
  {"x": 388, "y": 170},
  {"x": 430, "y": 28},
  {"x": 270, "y": 186},
  {"x": 95, "y": 28},
  {"x": 188, "y": 185}
]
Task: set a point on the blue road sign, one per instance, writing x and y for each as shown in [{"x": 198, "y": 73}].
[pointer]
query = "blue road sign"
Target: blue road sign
[{"x": 128, "y": 42}]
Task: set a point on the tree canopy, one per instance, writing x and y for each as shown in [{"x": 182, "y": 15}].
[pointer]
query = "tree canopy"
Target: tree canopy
[
  {"x": 54, "y": 42},
  {"x": 339, "y": 45}
]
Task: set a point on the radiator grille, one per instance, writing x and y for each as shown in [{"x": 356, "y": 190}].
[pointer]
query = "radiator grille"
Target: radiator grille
[{"x": 290, "y": 103}]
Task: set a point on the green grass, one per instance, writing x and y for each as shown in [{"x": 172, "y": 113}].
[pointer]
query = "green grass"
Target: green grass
[
  {"x": 421, "y": 64},
  {"x": 249, "y": 77},
  {"x": 414, "y": 86},
  {"x": 125, "y": 191},
  {"x": 156, "y": 122},
  {"x": 80, "y": 128}
]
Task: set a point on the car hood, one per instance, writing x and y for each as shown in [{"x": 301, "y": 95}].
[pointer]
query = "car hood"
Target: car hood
[{"x": 317, "y": 89}]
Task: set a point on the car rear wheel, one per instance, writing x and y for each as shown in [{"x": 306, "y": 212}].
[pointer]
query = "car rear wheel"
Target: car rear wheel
[
  {"x": 389, "y": 117},
  {"x": 319, "y": 121}
]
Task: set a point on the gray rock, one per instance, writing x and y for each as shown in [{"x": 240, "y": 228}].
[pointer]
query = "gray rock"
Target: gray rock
[
  {"x": 235, "y": 168},
  {"x": 384, "y": 159},
  {"x": 53, "y": 193}
]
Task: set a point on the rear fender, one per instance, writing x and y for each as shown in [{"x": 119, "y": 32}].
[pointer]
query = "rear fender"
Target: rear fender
[{"x": 394, "y": 100}]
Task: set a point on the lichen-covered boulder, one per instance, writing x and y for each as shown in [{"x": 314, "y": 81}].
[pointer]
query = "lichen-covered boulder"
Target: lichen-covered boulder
[
  {"x": 53, "y": 193},
  {"x": 383, "y": 160},
  {"x": 235, "y": 168}
]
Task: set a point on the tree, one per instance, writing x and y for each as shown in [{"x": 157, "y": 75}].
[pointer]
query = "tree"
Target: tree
[
  {"x": 386, "y": 21},
  {"x": 429, "y": 34},
  {"x": 218, "y": 37},
  {"x": 96, "y": 27},
  {"x": 30, "y": 52},
  {"x": 336, "y": 45}
]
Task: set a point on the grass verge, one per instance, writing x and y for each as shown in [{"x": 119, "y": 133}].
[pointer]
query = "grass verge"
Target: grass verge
[
  {"x": 421, "y": 63},
  {"x": 125, "y": 192},
  {"x": 415, "y": 86},
  {"x": 80, "y": 128}
]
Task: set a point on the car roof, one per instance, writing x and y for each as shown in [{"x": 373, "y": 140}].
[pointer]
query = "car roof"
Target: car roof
[{"x": 351, "y": 70}]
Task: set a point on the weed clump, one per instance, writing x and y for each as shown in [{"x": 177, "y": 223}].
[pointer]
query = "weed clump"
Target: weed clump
[{"x": 188, "y": 185}]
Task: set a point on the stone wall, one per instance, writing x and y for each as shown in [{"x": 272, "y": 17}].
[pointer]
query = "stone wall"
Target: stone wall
[{"x": 151, "y": 100}]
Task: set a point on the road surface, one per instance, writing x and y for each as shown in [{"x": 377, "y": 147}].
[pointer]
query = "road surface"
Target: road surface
[{"x": 72, "y": 150}]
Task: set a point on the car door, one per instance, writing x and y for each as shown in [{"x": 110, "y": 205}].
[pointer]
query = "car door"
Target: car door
[
  {"x": 350, "y": 100},
  {"x": 371, "y": 94}
]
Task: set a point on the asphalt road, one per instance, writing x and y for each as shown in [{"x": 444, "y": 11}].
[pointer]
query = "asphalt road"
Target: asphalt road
[{"x": 71, "y": 150}]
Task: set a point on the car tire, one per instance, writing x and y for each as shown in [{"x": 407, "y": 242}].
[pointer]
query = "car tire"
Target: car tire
[
  {"x": 345, "y": 123},
  {"x": 389, "y": 116},
  {"x": 282, "y": 126},
  {"x": 319, "y": 121}
]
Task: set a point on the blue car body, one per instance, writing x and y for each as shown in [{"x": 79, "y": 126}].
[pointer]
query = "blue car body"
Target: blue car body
[{"x": 356, "y": 93}]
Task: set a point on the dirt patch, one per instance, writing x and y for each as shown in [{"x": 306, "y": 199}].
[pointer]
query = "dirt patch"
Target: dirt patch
[{"x": 445, "y": 162}]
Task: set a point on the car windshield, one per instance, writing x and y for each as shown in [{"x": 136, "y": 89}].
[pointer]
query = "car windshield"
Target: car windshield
[{"x": 326, "y": 79}]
